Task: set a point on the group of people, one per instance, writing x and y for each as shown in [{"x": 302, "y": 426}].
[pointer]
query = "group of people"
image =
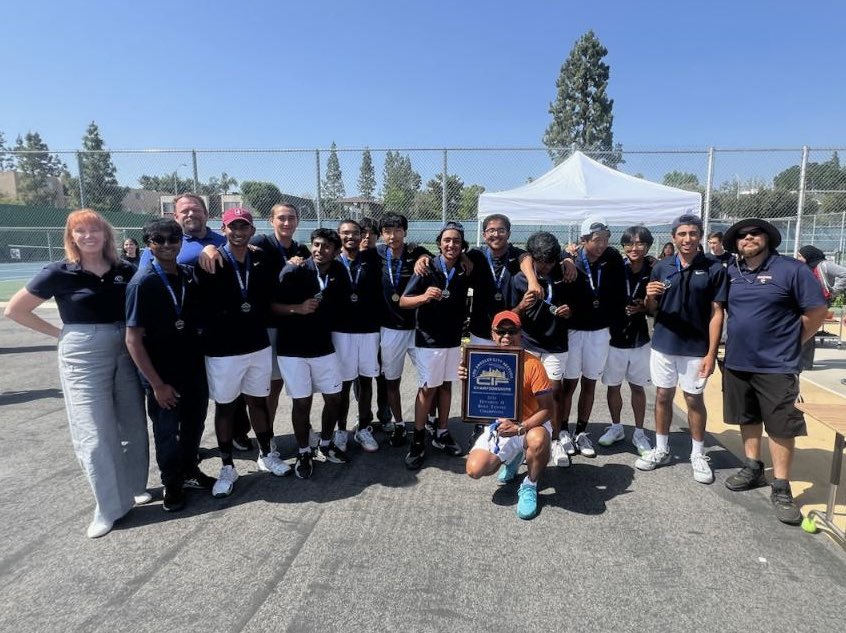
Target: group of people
[{"x": 235, "y": 316}]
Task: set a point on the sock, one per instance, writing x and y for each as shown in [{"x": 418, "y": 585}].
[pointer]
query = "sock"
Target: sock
[
  {"x": 581, "y": 426},
  {"x": 662, "y": 442},
  {"x": 419, "y": 435},
  {"x": 305, "y": 450},
  {"x": 529, "y": 482},
  {"x": 264, "y": 442},
  {"x": 697, "y": 447},
  {"x": 565, "y": 428},
  {"x": 324, "y": 443},
  {"x": 639, "y": 432},
  {"x": 441, "y": 432},
  {"x": 616, "y": 425},
  {"x": 226, "y": 452}
]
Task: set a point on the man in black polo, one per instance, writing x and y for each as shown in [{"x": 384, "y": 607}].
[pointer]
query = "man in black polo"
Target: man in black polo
[
  {"x": 774, "y": 305},
  {"x": 686, "y": 294}
]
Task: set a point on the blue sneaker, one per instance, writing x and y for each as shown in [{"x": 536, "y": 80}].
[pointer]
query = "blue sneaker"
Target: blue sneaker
[
  {"x": 509, "y": 471},
  {"x": 527, "y": 502}
]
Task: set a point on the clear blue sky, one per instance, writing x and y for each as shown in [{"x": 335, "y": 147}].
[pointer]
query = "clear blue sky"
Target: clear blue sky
[{"x": 215, "y": 74}]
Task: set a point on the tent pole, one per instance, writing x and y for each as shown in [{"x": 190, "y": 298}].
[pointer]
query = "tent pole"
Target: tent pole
[{"x": 709, "y": 184}]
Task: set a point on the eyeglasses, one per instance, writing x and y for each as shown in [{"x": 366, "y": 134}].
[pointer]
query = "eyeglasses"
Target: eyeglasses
[
  {"x": 506, "y": 331},
  {"x": 754, "y": 232},
  {"x": 496, "y": 231},
  {"x": 169, "y": 239},
  {"x": 635, "y": 245}
]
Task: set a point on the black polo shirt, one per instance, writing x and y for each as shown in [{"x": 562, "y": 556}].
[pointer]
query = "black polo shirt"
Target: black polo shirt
[
  {"x": 764, "y": 310},
  {"x": 82, "y": 296},
  {"x": 543, "y": 331},
  {"x": 310, "y": 335},
  {"x": 227, "y": 329},
  {"x": 609, "y": 281},
  {"x": 392, "y": 316},
  {"x": 684, "y": 310},
  {"x": 175, "y": 353},
  {"x": 630, "y": 332},
  {"x": 365, "y": 281},
  {"x": 440, "y": 323},
  {"x": 277, "y": 254},
  {"x": 485, "y": 304}
]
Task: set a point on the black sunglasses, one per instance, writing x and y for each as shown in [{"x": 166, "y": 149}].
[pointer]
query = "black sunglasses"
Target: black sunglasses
[
  {"x": 754, "y": 232},
  {"x": 161, "y": 239},
  {"x": 510, "y": 331}
]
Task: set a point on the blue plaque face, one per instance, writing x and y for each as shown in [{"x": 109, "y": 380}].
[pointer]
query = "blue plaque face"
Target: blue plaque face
[{"x": 493, "y": 379}]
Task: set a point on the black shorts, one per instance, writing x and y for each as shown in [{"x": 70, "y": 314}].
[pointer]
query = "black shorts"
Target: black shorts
[{"x": 751, "y": 398}]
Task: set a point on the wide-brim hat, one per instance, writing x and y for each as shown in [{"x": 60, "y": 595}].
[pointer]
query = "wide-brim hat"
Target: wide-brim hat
[{"x": 730, "y": 236}]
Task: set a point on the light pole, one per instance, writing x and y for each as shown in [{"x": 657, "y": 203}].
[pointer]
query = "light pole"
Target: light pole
[{"x": 176, "y": 179}]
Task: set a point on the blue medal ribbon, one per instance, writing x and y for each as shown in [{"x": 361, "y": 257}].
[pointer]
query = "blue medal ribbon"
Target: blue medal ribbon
[
  {"x": 347, "y": 262},
  {"x": 177, "y": 305},
  {"x": 390, "y": 256},
  {"x": 594, "y": 287},
  {"x": 243, "y": 282},
  {"x": 497, "y": 280},
  {"x": 448, "y": 274},
  {"x": 631, "y": 293}
]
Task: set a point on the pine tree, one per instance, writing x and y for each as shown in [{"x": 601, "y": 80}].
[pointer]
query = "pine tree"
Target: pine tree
[
  {"x": 367, "y": 175},
  {"x": 582, "y": 112},
  {"x": 333, "y": 183},
  {"x": 7, "y": 160},
  {"x": 400, "y": 183},
  {"x": 99, "y": 176},
  {"x": 35, "y": 165}
]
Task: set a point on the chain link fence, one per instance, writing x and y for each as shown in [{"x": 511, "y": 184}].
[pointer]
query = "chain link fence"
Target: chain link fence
[{"x": 801, "y": 190}]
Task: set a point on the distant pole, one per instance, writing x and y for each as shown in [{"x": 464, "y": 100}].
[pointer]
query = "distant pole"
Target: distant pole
[
  {"x": 842, "y": 226},
  {"x": 801, "y": 205},
  {"x": 444, "y": 191},
  {"x": 50, "y": 245},
  {"x": 196, "y": 179},
  {"x": 81, "y": 186},
  {"x": 317, "y": 197},
  {"x": 709, "y": 185}
]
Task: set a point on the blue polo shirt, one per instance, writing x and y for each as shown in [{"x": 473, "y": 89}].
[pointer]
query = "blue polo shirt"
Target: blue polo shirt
[
  {"x": 684, "y": 310},
  {"x": 764, "y": 328},
  {"x": 190, "y": 251}
]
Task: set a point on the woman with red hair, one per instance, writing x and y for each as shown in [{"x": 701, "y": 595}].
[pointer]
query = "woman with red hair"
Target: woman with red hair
[{"x": 103, "y": 396}]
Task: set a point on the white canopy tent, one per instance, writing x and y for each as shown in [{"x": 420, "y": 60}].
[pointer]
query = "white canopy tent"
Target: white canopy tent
[{"x": 580, "y": 187}]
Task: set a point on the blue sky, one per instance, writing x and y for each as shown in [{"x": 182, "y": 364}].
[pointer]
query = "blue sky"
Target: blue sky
[{"x": 217, "y": 74}]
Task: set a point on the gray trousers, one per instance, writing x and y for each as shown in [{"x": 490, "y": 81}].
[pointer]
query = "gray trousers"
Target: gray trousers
[{"x": 105, "y": 408}]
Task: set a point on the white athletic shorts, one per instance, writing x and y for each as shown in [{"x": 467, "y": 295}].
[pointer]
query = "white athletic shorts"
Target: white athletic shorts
[
  {"x": 306, "y": 376},
  {"x": 506, "y": 448},
  {"x": 394, "y": 345},
  {"x": 554, "y": 364},
  {"x": 436, "y": 365},
  {"x": 230, "y": 376},
  {"x": 588, "y": 350},
  {"x": 669, "y": 371},
  {"x": 478, "y": 340},
  {"x": 631, "y": 364},
  {"x": 275, "y": 374},
  {"x": 358, "y": 354}
]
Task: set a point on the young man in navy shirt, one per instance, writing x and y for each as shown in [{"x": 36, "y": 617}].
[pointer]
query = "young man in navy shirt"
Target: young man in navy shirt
[
  {"x": 686, "y": 294},
  {"x": 162, "y": 337},
  {"x": 774, "y": 305}
]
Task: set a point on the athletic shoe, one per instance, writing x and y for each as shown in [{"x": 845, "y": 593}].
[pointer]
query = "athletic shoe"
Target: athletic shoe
[
  {"x": 198, "y": 480},
  {"x": 416, "y": 455},
  {"x": 225, "y": 481},
  {"x": 98, "y": 529},
  {"x": 509, "y": 471},
  {"x": 641, "y": 442},
  {"x": 332, "y": 453},
  {"x": 613, "y": 434},
  {"x": 144, "y": 497},
  {"x": 174, "y": 498},
  {"x": 567, "y": 443},
  {"x": 558, "y": 456},
  {"x": 431, "y": 424},
  {"x": 446, "y": 444},
  {"x": 584, "y": 445},
  {"x": 383, "y": 414},
  {"x": 527, "y": 501},
  {"x": 271, "y": 463},
  {"x": 478, "y": 429},
  {"x": 701, "y": 470},
  {"x": 653, "y": 459},
  {"x": 388, "y": 427},
  {"x": 786, "y": 509},
  {"x": 749, "y": 477},
  {"x": 365, "y": 438},
  {"x": 340, "y": 439},
  {"x": 397, "y": 434},
  {"x": 242, "y": 443},
  {"x": 304, "y": 467}
]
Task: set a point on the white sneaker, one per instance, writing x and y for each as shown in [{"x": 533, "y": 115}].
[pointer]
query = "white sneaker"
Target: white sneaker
[
  {"x": 584, "y": 445},
  {"x": 365, "y": 438},
  {"x": 98, "y": 528},
  {"x": 641, "y": 442},
  {"x": 313, "y": 438},
  {"x": 614, "y": 433},
  {"x": 144, "y": 497},
  {"x": 653, "y": 459},
  {"x": 567, "y": 443},
  {"x": 558, "y": 456},
  {"x": 271, "y": 463},
  {"x": 340, "y": 439},
  {"x": 225, "y": 480},
  {"x": 701, "y": 470}
]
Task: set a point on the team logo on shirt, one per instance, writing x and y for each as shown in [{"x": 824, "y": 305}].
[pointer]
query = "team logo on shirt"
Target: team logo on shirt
[
  {"x": 698, "y": 272},
  {"x": 118, "y": 279},
  {"x": 762, "y": 279}
]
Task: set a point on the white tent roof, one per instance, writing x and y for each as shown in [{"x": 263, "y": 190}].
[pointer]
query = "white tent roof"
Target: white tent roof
[{"x": 580, "y": 187}]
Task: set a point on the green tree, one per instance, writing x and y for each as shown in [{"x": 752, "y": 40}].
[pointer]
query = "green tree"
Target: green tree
[
  {"x": 99, "y": 176},
  {"x": 366, "y": 176},
  {"x": 7, "y": 160},
  {"x": 333, "y": 183},
  {"x": 400, "y": 183},
  {"x": 682, "y": 180},
  {"x": 37, "y": 168},
  {"x": 435, "y": 191},
  {"x": 468, "y": 206},
  {"x": 582, "y": 111},
  {"x": 260, "y": 196},
  {"x": 167, "y": 184},
  {"x": 827, "y": 176}
]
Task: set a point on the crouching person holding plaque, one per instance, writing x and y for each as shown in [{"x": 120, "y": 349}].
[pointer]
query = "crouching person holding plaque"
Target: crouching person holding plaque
[{"x": 504, "y": 442}]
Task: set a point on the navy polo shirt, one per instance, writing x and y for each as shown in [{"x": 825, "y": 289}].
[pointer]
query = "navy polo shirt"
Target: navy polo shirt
[
  {"x": 485, "y": 305},
  {"x": 82, "y": 296},
  {"x": 607, "y": 274},
  {"x": 392, "y": 316},
  {"x": 684, "y": 310},
  {"x": 277, "y": 254},
  {"x": 630, "y": 332},
  {"x": 764, "y": 306},
  {"x": 365, "y": 281},
  {"x": 543, "y": 332},
  {"x": 440, "y": 323},
  {"x": 190, "y": 251}
]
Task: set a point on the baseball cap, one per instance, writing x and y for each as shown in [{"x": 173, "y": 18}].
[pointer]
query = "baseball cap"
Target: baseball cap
[
  {"x": 237, "y": 213},
  {"x": 454, "y": 226},
  {"x": 687, "y": 218},
  {"x": 593, "y": 223},
  {"x": 506, "y": 315}
]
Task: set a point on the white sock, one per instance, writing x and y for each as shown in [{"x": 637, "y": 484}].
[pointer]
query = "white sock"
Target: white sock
[
  {"x": 697, "y": 447},
  {"x": 639, "y": 432},
  {"x": 662, "y": 442},
  {"x": 305, "y": 450},
  {"x": 441, "y": 432},
  {"x": 529, "y": 482},
  {"x": 618, "y": 425},
  {"x": 324, "y": 443}
]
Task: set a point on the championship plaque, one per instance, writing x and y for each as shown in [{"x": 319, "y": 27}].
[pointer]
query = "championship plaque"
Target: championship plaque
[{"x": 493, "y": 386}]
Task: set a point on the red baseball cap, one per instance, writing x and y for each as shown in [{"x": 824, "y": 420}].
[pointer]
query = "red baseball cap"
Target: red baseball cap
[
  {"x": 506, "y": 315},
  {"x": 237, "y": 213}
]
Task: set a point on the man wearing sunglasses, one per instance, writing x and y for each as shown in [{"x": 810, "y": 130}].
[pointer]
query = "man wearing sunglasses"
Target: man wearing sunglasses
[
  {"x": 502, "y": 444},
  {"x": 774, "y": 304}
]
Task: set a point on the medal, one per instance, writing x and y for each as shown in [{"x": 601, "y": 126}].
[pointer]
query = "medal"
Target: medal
[
  {"x": 667, "y": 283},
  {"x": 353, "y": 297},
  {"x": 243, "y": 283},
  {"x": 596, "y": 303},
  {"x": 353, "y": 280},
  {"x": 394, "y": 283},
  {"x": 322, "y": 283},
  {"x": 445, "y": 294},
  {"x": 246, "y": 307},
  {"x": 498, "y": 296},
  {"x": 177, "y": 304},
  {"x": 395, "y": 297},
  {"x": 594, "y": 287},
  {"x": 553, "y": 310},
  {"x": 319, "y": 296},
  {"x": 448, "y": 275},
  {"x": 497, "y": 280},
  {"x": 179, "y": 324}
]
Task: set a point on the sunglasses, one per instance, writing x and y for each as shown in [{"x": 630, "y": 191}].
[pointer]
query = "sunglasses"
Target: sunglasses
[
  {"x": 753, "y": 232},
  {"x": 503, "y": 331},
  {"x": 162, "y": 239}
]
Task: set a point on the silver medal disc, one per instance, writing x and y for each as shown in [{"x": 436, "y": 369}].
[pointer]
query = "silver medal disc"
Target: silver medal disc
[
  {"x": 445, "y": 294},
  {"x": 319, "y": 296},
  {"x": 353, "y": 297},
  {"x": 179, "y": 324},
  {"x": 246, "y": 307}
]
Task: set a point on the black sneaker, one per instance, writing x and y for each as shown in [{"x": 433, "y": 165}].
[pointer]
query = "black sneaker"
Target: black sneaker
[
  {"x": 416, "y": 454},
  {"x": 304, "y": 467},
  {"x": 384, "y": 414},
  {"x": 174, "y": 498},
  {"x": 446, "y": 444},
  {"x": 478, "y": 429},
  {"x": 198, "y": 480},
  {"x": 786, "y": 509},
  {"x": 749, "y": 477},
  {"x": 398, "y": 434},
  {"x": 332, "y": 454},
  {"x": 242, "y": 443}
]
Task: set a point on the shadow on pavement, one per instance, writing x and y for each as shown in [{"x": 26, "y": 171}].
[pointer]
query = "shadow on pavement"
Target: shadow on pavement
[{"x": 19, "y": 397}]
